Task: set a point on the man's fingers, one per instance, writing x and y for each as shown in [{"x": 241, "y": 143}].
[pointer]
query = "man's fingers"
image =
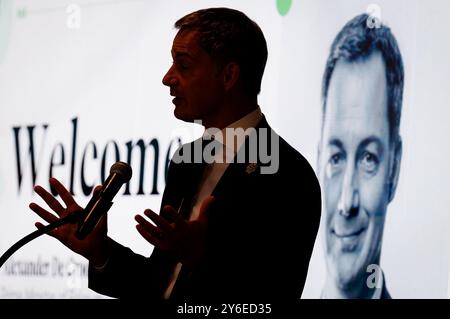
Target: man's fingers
[
  {"x": 158, "y": 220},
  {"x": 51, "y": 233},
  {"x": 44, "y": 214},
  {"x": 152, "y": 229},
  {"x": 175, "y": 217},
  {"x": 51, "y": 201},
  {"x": 205, "y": 208},
  {"x": 148, "y": 237},
  {"x": 97, "y": 190},
  {"x": 62, "y": 191}
]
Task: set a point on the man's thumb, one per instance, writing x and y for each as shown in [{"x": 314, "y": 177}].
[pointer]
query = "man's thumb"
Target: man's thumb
[
  {"x": 205, "y": 208},
  {"x": 97, "y": 190}
]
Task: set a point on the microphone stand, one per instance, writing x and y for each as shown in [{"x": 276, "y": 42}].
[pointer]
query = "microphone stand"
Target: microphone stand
[{"x": 69, "y": 219}]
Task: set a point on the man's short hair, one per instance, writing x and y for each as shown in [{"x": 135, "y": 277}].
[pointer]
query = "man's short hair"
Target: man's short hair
[
  {"x": 357, "y": 41},
  {"x": 228, "y": 35}
]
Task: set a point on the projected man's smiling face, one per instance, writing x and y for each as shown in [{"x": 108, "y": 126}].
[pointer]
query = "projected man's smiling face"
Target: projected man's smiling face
[{"x": 355, "y": 168}]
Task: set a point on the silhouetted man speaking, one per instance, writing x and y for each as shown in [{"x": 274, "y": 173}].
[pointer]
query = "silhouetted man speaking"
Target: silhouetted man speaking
[{"x": 241, "y": 207}]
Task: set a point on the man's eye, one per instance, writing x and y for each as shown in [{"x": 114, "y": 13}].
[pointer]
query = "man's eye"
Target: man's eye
[
  {"x": 181, "y": 66},
  {"x": 335, "y": 164},
  {"x": 369, "y": 162},
  {"x": 336, "y": 159}
]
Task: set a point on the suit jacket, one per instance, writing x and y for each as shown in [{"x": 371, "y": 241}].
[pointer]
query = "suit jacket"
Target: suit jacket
[
  {"x": 384, "y": 292},
  {"x": 261, "y": 233}
]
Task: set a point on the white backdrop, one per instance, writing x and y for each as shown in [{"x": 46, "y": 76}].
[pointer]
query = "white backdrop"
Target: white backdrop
[{"x": 99, "y": 64}]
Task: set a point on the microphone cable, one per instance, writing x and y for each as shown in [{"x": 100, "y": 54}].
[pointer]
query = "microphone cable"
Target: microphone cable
[{"x": 69, "y": 219}]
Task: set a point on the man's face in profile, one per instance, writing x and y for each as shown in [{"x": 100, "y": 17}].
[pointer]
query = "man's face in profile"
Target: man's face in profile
[
  {"x": 354, "y": 168},
  {"x": 193, "y": 79}
]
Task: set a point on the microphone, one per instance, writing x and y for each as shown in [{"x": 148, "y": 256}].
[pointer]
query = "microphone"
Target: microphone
[{"x": 100, "y": 203}]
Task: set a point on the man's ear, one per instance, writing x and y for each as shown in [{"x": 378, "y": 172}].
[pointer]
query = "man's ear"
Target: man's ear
[
  {"x": 395, "y": 168},
  {"x": 231, "y": 73}
]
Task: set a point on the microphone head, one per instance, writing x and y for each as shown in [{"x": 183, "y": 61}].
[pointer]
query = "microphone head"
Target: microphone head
[{"x": 122, "y": 169}]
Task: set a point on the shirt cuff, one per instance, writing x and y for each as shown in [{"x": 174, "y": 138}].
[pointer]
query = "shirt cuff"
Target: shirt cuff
[{"x": 102, "y": 267}]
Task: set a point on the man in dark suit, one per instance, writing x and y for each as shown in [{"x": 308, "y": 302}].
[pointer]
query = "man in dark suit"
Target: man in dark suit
[{"x": 241, "y": 207}]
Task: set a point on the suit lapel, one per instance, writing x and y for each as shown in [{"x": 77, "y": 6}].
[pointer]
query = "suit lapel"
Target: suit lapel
[{"x": 237, "y": 172}]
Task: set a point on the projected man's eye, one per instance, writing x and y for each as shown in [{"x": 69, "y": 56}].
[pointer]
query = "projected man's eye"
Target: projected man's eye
[
  {"x": 336, "y": 159},
  {"x": 369, "y": 162},
  {"x": 335, "y": 163}
]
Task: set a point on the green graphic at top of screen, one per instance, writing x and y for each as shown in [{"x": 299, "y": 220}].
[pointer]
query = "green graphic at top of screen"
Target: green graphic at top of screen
[
  {"x": 5, "y": 26},
  {"x": 283, "y": 6}
]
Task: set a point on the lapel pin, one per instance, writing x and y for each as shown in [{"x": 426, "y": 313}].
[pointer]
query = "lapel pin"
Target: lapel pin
[{"x": 251, "y": 168}]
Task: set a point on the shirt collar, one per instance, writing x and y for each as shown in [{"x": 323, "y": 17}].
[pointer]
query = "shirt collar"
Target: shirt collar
[{"x": 250, "y": 120}]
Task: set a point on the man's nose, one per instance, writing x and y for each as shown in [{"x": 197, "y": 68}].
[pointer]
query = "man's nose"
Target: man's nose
[
  {"x": 348, "y": 205},
  {"x": 169, "y": 78}
]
